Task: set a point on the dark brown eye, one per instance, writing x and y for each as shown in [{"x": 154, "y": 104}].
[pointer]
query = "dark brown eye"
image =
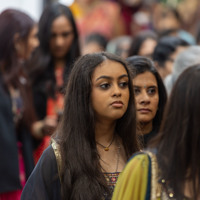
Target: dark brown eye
[
  {"x": 66, "y": 34},
  {"x": 136, "y": 90},
  {"x": 105, "y": 86},
  {"x": 151, "y": 91},
  {"x": 123, "y": 84}
]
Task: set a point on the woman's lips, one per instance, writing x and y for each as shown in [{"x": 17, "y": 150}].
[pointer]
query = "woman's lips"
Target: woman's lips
[
  {"x": 144, "y": 110},
  {"x": 117, "y": 104}
]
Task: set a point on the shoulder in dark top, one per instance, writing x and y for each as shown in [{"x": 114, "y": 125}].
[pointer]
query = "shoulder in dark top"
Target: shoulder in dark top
[{"x": 44, "y": 182}]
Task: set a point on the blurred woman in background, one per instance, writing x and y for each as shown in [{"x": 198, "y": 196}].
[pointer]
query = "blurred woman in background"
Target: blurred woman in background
[
  {"x": 18, "y": 39},
  {"x": 51, "y": 64}
]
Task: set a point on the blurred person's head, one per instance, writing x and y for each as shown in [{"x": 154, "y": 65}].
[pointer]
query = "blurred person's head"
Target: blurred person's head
[
  {"x": 185, "y": 59},
  {"x": 59, "y": 45},
  {"x": 18, "y": 40},
  {"x": 143, "y": 44},
  {"x": 57, "y": 32},
  {"x": 94, "y": 42},
  {"x": 165, "y": 52},
  {"x": 18, "y": 37},
  {"x": 166, "y": 18},
  {"x": 119, "y": 46}
]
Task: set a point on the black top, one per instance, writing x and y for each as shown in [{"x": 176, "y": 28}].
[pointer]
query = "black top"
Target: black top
[
  {"x": 9, "y": 169},
  {"x": 44, "y": 181},
  {"x": 9, "y": 166},
  {"x": 147, "y": 137}
]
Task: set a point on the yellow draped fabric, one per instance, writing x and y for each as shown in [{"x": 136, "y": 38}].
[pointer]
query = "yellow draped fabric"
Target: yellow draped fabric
[{"x": 133, "y": 181}]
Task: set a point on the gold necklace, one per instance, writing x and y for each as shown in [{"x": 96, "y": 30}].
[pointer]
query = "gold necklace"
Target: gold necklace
[{"x": 106, "y": 148}]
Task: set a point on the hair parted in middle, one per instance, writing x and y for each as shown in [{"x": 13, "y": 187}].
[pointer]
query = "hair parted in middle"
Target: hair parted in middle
[
  {"x": 81, "y": 170},
  {"x": 42, "y": 63},
  {"x": 141, "y": 64}
]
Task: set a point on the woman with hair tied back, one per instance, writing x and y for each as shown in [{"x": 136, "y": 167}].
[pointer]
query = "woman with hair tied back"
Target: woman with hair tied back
[
  {"x": 95, "y": 137},
  {"x": 171, "y": 168},
  {"x": 150, "y": 97}
]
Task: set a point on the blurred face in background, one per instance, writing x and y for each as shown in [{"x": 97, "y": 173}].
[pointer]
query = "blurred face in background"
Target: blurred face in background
[
  {"x": 24, "y": 47},
  {"x": 32, "y": 42},
  {"x": 165, "y": 19},
  {"x": 170, "y": 61},
  {"x": 91, "y": 47},
  {"x": 62, "y": 36},
  {"x": 147, "y": 47}
]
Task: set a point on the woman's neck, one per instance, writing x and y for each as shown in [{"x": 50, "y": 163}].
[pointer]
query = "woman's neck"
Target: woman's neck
[
  {"x": 110, "y": 148},
  {"x": 145, "y": 128},
  {"x": 59, "y": 63},
  {"x": 104, "y": 132}
]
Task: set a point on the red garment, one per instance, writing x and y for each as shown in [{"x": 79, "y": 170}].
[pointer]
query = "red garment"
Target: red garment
[
  {"x": 43, "y": 145},
  {"x": 54, "y": 109}
]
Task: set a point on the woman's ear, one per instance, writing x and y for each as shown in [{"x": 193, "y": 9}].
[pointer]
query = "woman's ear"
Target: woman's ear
[
  {"x": 19, "y": 45},
  {"x": 16, "y": 41}
]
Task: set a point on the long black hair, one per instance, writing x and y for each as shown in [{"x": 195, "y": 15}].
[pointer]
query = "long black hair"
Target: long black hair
[
  {"x": 178, "y": 144},
  {"x": 81, "y": 173}
]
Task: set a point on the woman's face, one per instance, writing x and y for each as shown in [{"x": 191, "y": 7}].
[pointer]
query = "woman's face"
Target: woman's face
[
  {"x": 26, "y": 47},
  {"x": 62, "y": 36},
  {"x": 110, "y": 91},
  {"x": 146, "y": 96},
  {"x": 147, "y": 47}
]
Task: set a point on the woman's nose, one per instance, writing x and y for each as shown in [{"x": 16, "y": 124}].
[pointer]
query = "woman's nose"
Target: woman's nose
[
  {"x": 144, "y": 98},
  {"x": 116, "y": 91}
]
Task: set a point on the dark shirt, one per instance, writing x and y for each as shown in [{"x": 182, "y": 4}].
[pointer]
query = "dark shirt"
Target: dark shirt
[
  {"x": 147, "y": 137},
  {"x": 44, "y": 182},
  {"x": 9, "y": 167}
]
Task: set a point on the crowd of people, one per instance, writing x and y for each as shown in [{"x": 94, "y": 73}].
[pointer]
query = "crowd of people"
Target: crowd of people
[{"x": 100, "y": 100}]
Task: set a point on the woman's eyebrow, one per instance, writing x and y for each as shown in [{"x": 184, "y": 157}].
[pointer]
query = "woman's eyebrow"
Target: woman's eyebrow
[
  {"x": 122, "y": 76},
  {"x": 110, "y": 78},
  {"x": 104, "y": 77},
  {"x": 151, "y": 86}
]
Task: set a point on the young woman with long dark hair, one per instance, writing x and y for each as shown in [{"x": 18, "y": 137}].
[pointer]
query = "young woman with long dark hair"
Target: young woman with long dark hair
[{"x": 96, "y": 136}]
